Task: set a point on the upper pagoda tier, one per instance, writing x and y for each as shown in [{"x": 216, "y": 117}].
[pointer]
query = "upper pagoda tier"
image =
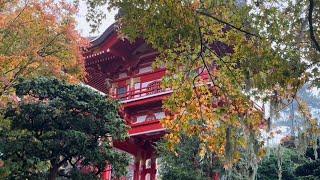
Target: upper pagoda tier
[{"x": 122, "y": 68}]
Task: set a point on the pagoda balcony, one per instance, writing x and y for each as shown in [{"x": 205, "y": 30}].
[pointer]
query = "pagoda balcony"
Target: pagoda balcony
[
  {"x": 151, "y": 90},
  {"x": 141, "y": 93},
  {"x": 151, "y": 126}
]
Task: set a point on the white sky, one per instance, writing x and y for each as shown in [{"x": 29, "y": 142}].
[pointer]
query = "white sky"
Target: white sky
[{"x": 83, "y": 26}]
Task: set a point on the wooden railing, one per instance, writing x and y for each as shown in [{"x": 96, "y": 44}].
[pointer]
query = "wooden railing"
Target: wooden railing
[{"x": 153, "y": 88}]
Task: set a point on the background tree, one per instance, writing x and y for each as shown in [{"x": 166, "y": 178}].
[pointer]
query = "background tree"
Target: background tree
[
  {"x": 309, "y": 170},
  {"x": 57, "y": 128},
  {"x": 38, "y": 38},
  {"x": 290, "y": 160},
  {"x": 184, "y": 162}
]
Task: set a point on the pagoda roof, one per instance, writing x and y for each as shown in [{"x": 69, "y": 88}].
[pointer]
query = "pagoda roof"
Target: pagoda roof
[
  {"x": 110, "y": 53},
  {"x": 104, "y": 36}
]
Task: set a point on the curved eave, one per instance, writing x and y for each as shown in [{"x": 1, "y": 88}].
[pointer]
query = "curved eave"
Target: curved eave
[{"x": 104, "y": 36}]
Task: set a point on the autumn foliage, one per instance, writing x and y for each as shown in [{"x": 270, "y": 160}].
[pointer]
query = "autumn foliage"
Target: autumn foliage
[
  {"x": 262, "y": 54},
  {"x": 38, "y": 38}
]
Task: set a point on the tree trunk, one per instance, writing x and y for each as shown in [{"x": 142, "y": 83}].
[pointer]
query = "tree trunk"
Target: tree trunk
[
  {"x": 53, "y": 172},
  {"x": 55, "y": 168}
]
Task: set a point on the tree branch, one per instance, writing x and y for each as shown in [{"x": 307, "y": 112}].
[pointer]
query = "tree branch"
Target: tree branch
[
  {"x": 41, "y": 52},
  {"x": 226, "y": 23},
  {"x": 311, "y": 30},
  {"x": 15, "y": 76},
  {"x": 12, "y": 22}
]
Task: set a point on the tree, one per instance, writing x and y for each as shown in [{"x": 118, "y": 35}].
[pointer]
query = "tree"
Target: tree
[
  {"x": 38, "y": 38},
  {"x": 60, "y": 130},
  {"x": 185, "y": 163},
  {"x": 269, "y": 167},
  {"x": 265, "y": 50},
  {"x": 309, "y": 170},
  {"x": 192, "y": 42}
]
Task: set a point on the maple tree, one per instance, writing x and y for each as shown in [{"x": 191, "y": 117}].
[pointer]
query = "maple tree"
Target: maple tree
[
  {"x": 38, "y": 38},
  {"x": 260, "y": 51}
]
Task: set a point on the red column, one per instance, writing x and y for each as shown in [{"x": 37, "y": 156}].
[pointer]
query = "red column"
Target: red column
[
  {"x": 136, "y": 173},
  {"x": 153, "y": 170},
  {"x": 143, "y": 169}
]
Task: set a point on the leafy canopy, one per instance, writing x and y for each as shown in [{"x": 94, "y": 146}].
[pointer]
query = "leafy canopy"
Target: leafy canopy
[
  {"x": 58, "y": 129},
  {"x": 264, "y": 50},
  {"x": 38, "y": 38}
]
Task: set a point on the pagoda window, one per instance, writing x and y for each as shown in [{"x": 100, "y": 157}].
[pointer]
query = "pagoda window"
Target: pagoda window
[
  {"x": 159, "y": 115},
  {"x": 151, "y": 117},
  {"x": 137, "y": 85},
  {"x": 137, "y": 89},
  {"x": 154, "y": 87},
  {"x": 149, "y": 84},
  {"x": 148, "y": 163},
  {"x": 141, "y": 119},
  {"x": 145, "y": 69},
  {"x": 122, "y": 91},
  {"x": 123, "y": 75}
]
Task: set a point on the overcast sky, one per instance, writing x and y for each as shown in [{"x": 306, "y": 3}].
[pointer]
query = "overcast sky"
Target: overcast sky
[{"x": 83, "y": 25}]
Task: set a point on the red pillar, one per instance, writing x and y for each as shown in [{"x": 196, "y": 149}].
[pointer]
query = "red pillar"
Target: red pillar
[
  {"x": 143, "y": 169},
  {"x": 153, "y": 170},
  {"x": 136, "y": 173}
]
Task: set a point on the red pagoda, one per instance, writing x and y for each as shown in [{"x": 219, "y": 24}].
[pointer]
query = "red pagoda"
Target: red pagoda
[{"x": 123, "y": 71}]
